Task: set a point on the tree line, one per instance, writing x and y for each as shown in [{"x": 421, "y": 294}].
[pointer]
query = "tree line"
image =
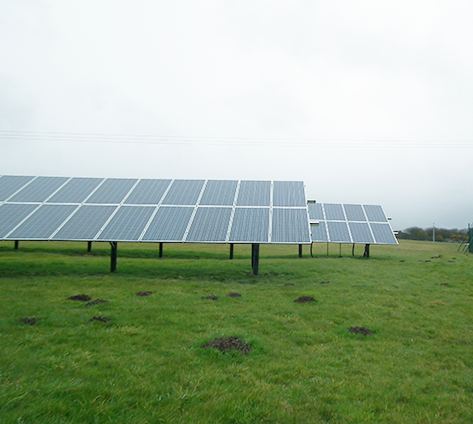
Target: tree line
[{"x": 441, "y": 234}]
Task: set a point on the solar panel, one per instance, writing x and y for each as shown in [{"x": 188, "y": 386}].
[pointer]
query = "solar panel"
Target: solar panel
[
  {"x": 39, "y": 189},
  {"x": 169, "y": 224},
  {"x": 254, "y": 193},
  {"x": 290, "y": 226},
  {"x": 334, "y": 212},
  {"x": 210, "y": 225},
  {"x": 85, "y": 223},
  {"x": 12, "y": 214},
  {"x": 127, "y": 224},
  {"x": 219, "y": 193},
  {"x": 148, "y": 192},
  {"x": 42, "y": 223},
  {"x": 161, "y": 210},
  {"x": 289, "y": 193},
  {"x": 75, "y": 191},
  {"x": 354, "y": 213},
  {"x": 360, "y": 232},
  {"x": 350, "y": 223},
  {"x": 10, "y": 184},
  {"x": 319, "y": 232},
  {"x": 184, "y": 192},
  {"x": 375, "y": 213},
  {"x": 338, "y": 232},
  {"x": 250, "y": 225},
  {"x": 112, "y": 191},
  {"x": 383, "y": 233}
]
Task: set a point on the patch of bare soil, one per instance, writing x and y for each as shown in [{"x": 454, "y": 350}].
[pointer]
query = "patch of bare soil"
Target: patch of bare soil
[
  {"x": 305, "y": 299},
  {"x": 101, "y": 319},
  {"x": 80, "y": 297},
  {"x": 225, "y": 344},
  {"x": 144, "y": 293},
  {"x": 360, "y": 330},
  {"x": 209, "y": 297},
  {"x": 29, "y": 321},
  {"x": 325, "y": 282},
  {"x": 444, "y": 284},
  {"x": 289, "y": 284},
  {"x": 234, "y": 295},
  {"x": 96, "y": 302}
]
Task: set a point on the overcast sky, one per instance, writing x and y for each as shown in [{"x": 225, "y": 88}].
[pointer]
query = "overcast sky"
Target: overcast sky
[{"x": 366, "y": 101}]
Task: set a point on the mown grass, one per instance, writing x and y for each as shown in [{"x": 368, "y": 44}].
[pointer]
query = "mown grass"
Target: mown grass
[{"x": 146, "y": 364}]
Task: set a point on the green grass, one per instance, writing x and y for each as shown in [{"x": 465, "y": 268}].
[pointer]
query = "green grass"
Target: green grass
[{"x": 146, "y": 364}]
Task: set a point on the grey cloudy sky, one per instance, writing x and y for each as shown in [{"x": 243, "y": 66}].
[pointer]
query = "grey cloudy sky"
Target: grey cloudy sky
[{"x": 365, "y": 101}]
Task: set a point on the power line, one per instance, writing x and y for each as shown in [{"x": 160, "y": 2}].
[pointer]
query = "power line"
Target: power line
[{"x": 72, "y": 137}]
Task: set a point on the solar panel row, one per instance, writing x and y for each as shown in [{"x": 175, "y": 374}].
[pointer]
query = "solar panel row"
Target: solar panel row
[
  {"x": 94, "y": 209},
  {"x": 348, "y": 223}
]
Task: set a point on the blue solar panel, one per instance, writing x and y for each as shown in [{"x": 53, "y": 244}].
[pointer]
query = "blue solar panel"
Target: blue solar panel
[
  {"x": 354, "y": 213},
  {"x": 12, "y": 214},
  {"x": 184, "y": 192},
  {"x": 39, "y": 189},
  {"x": 148, "y": 192},
  {"x": 219, "y": 193},
  {"x": 76, "y": 190},
  {"x": 319, "y": 232},
  {"x": 290, "y": 226},
  {"x": 383, "y": 233},
  {"x": 169, "y": 224},
  {"x": 10, "y": 184},
  {"x": 127, "y": 224},
  {"x": 289, "y": 193},
  {"x": 42, "y": 223},
  {"x": 250, "y": 225},
  {"x": 360, "y": 232},
  {"x": 112, "y": 191},
  {"x": 210, "y": 225},
  {"x": 375, "y": 213},
  {"x": 338, "y": 232},
  {"x": 254, "y": 193},
  {"x": 316, "y": 211},
  {"x": 334, "y": 212},
  {"x": 85, "y": 223}
]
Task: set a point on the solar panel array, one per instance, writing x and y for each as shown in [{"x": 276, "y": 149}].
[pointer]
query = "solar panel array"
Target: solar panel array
[
  {"x": 348, "y": 223},
  {"x": 150, "y": 210}
]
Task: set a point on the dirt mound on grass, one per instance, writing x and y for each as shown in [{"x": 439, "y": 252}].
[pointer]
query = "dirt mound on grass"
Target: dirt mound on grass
[
  {"x": 225, "y": 344},
  {"x": 29, "y": 321},
  {"x": 96, "y": 302},
  {"x": 80, "y": 298},
  {"x": 325, "y": 282},
  {"x": 101, "y": 319},
  {"x": 209, "y": 297},
  {"x": 305, "y": 299},
  {"x": 144, "y": 293},
  {"x": 360, "y": 330},
  {"x": 234, "y": 295}
]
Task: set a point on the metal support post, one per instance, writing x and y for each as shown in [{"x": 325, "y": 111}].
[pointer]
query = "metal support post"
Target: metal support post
[
  {"x": 160, "y": 250},
  {"x": 353, "y": 250},
  {"x": 17, "y": 244},
  {"x": 300, "y": 251},
  {"x": 113, "y": 256},
  {"x": 89, "y": 246},
  {"x": 255, "y": 258},
  {"x": 231, "y": 250},
  {"x": 367, "y": 251}
]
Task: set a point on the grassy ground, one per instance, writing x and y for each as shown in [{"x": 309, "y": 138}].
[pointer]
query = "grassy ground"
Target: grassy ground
[{"x": 146, "y": 364}]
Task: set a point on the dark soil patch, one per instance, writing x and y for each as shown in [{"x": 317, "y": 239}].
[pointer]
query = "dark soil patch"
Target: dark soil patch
[
  {"x": 305, "y": 299},
  {"x": 96, "y": 302},
  {"x": 234, "y": 295},
  {"x": 289, "y": 284},
  {"x": 101, "y": 319},
  {"x": 144, "y": 293},
  {"x": 29, "y": 321},
  {"x": 209, "y": 297},
  {"x": 225, "y": 344},
  {"x": 444, "y": 284},
  {"x": 402, "y": 260},
  {"x": 80, "y": 297},
  {"x": 360, "y": 330},
  {"x": 325, "y": 282}
]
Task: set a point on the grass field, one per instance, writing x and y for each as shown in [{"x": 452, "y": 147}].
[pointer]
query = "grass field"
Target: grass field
[{"x": 146, "y": 365}]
